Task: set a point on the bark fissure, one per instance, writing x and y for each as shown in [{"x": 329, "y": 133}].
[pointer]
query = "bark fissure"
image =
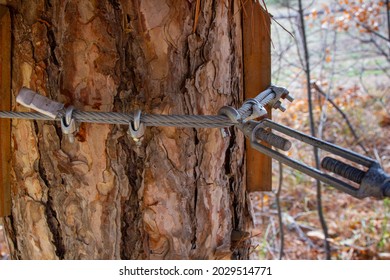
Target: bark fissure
[
  {"x": 194, "y": 225},
  {"x": 13, "y": 244},
  {"x": 54, "y": 227},
  {"x": 52, "y": 43},
  {"x": 180, "y": 193}
]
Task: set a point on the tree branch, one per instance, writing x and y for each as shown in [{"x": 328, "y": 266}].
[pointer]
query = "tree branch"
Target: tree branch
[
  {"x": 345, "y": 117},
  {"x": 312, "y": 126},
  {"x": 278, "y": 192}
]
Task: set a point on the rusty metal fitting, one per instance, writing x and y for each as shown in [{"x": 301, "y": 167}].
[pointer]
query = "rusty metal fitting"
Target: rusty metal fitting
[
  {"x": 288, "y": 97},
  {"x": 280, "y": 92},
  {"x": 278, "y": 105}
]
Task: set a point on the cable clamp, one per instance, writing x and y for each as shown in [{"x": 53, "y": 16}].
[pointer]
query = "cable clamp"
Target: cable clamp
[
  {"x": 280, "y": 92},
  {"x": 136, "y": 128},
  {"x": 68, "y": 124}
]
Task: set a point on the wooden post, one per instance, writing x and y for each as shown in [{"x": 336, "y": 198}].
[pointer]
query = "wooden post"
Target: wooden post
[
  {"x": 5, "y": 105},
  {"x": 257, "y": 77}
]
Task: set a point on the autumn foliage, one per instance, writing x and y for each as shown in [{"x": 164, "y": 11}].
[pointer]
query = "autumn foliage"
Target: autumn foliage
[{"x": 363, "y": 15}]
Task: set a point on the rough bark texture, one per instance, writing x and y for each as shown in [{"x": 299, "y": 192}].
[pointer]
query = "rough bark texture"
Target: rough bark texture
[{"x": 181, "y": 194}]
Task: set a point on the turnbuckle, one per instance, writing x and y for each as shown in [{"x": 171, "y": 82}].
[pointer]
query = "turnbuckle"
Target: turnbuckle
[{"x": 374, "y": 182}]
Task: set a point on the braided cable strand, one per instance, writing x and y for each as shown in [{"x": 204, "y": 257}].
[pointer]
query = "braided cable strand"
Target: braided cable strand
[
  {"x": 195, "y": 121},
  {"x": 121, "y": 118},
  {"x": 24, "y": 115}
]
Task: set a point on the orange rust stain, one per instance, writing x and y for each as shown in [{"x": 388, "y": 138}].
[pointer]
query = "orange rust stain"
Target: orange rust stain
[
  {"x": 81, "y": 135},
  {"x": 96, "y": 105},
  {"x": 15, "y": 143}
]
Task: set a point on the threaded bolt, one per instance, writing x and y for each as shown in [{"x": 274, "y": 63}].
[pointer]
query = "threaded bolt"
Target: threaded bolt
[
  {"x": 273, "y": 139},
  {"x": 347, "y": 171}
]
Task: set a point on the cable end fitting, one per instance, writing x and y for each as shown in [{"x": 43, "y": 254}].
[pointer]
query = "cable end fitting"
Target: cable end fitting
[
  {"x": 39, "y": 103},
  {"x": 231, "y": 113}
]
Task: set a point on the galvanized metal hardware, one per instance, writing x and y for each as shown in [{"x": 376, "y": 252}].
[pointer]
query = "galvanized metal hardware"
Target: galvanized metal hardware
[
  {"x": 278, "y": 105},
  {"x": 262, "y": 134},
  {"x": 258, "y": 110},
  {"x": 68, "y": 124},
  {"x": 369, "y": 181},
  {"x": 374, "y": 183},
  {"x": 40, "y": 103},
  {"x": 258, "y": 132},
  {"x": 137, "y": 128},
  {"x": 231, "y": 113},
  {"x": 280, "y": 92}
]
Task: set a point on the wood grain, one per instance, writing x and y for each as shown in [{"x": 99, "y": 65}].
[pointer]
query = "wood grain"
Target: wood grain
[
  {"x": 5, "y": 104},
  {"x": 257, "y": 77}
]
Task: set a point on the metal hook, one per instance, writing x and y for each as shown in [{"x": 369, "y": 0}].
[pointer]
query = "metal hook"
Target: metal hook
[
  {"x": 136, "y": 128},
  {"x": 68, "y": 124}
]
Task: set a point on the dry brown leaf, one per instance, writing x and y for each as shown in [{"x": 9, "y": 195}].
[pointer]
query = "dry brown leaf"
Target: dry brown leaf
[
  {"x": 385, "y": 121},
  {"x": 315, "y": 234}
]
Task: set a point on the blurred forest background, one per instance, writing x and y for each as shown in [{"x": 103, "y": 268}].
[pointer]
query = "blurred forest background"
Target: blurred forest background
[
  {"x": 341, "y": 61},
  {"x": 335, "y": 53}
]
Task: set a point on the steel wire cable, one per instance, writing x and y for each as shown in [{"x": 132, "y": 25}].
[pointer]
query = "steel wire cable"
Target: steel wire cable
[{"x": 195, "y": 121}]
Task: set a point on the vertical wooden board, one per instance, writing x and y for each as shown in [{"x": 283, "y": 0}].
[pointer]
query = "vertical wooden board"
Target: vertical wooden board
[
  {"x": 5, "y": 105},
  {"x": 257, "y": 77}
]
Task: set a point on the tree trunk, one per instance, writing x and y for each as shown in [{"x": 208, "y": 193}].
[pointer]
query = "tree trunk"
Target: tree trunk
[{"x": 179, "y": 195}]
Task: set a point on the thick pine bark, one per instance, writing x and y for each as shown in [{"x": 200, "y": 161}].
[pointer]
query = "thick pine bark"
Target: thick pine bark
[{"x": 179, "y": 195}]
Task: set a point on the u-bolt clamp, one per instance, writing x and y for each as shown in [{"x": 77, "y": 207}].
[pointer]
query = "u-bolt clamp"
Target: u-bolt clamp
[
  {"x": 136, "y": 128},
  {"x": 280, "y": 92},
  {"x": 68, "y": 124}
]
